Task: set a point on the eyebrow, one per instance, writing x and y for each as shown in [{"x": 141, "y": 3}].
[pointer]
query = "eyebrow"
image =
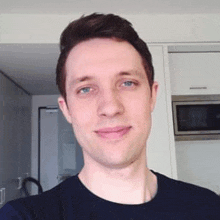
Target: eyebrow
[
  {"x": 131, "y": 73},
  {"x": 122, "y": 73},
  {"x": 82, "y": 79}
]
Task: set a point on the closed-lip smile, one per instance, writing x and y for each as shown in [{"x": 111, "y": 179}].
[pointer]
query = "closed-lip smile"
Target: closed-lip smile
[{"x": 113, "y": 132}]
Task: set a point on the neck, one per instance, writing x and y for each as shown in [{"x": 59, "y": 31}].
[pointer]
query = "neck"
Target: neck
[{"x": 134, "y": 184}]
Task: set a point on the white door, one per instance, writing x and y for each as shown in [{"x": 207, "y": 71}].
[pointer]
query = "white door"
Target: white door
[
  {"x": 70, "y": 157},
  {"x": 60, "y": 153},
  {"x": 48, "y": 148}
]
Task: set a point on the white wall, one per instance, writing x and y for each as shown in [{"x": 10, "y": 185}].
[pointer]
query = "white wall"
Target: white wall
[
  {"x": 15, "y": 136},
  {"x": 41, "y": 28}
]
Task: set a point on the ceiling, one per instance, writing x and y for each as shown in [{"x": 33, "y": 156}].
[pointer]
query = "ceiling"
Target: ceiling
[
  {"x": 116, "y": 6},
  {"x": 32, "y": 66}
]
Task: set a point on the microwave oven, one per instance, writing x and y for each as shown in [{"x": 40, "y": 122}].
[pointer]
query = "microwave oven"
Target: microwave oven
[{"x": 196, "y": 117}]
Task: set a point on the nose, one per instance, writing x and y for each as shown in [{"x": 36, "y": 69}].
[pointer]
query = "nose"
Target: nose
[{"x": 110, "y": 104}]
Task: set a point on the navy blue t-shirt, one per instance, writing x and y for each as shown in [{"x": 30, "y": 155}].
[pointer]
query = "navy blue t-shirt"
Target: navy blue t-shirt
[{"x": 175, "y": 200}]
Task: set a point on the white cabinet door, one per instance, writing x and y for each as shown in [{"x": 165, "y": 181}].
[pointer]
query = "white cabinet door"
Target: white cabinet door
[
  {"x": 195, "y": 73},
  {"x": 160, "y": 146}
]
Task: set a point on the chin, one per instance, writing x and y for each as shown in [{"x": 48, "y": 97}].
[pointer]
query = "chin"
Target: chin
[{"x": 119, "y": 162}]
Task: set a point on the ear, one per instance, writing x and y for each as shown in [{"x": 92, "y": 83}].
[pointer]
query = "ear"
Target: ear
[
  {"x": 64, "y": 108},
  {"x": 154, "y": 91}
]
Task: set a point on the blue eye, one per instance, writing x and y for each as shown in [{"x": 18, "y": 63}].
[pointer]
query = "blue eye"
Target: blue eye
[
  {"x": 84, "y": 90},
  {"x": 128, "y": 83}
]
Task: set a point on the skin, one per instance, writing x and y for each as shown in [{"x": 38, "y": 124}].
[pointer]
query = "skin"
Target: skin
[{"x": 107, "y": 86}]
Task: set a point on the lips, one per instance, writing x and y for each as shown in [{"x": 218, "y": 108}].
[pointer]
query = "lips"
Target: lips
[{"x": 113, "y": 132}]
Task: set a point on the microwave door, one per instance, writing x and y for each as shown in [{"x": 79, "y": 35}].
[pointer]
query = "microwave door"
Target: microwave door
[{"x": 195, "y": 118}]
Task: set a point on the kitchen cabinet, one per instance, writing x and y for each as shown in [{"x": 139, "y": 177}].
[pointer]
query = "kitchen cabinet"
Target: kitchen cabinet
[{"x": 195, "y": 73}]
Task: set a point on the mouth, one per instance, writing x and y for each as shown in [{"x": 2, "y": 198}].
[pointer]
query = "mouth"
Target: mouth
[{"x": 114, "y": 132}]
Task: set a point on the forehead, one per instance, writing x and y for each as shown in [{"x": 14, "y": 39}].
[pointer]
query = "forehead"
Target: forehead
[{"x": 103, "y": 55}]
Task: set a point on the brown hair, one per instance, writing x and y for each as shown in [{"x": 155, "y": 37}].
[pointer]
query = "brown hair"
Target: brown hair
[{"x": 99, "y": 26}]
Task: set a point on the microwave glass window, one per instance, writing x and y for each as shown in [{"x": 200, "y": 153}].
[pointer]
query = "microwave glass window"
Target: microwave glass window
[{"x": 198, "y": 117}]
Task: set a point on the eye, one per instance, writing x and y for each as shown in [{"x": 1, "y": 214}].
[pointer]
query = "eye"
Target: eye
[
  {"x": 84, "y": 90},
  {"x": 129, "y": 83}
]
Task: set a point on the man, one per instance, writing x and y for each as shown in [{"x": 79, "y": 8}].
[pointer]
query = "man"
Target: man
[{"x": 106, "y": 79}]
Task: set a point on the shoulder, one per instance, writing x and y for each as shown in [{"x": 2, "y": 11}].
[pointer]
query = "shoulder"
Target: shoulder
[
  {"x": 177, "y": 186},
  {"x": 186, "y": 196},
  {"x": 46, "y": 205}
]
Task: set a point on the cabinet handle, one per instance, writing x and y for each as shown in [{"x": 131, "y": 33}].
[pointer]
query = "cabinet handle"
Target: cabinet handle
[
  {"x": 2, "y": 196},
  {"x": 198, "y": 87}
]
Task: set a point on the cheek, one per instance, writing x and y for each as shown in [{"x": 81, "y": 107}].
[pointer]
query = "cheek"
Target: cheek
[
  {"x": 82, "y": 116},
  {"x": 139, "y": 107},
  {"x": 140, "y": 112}
]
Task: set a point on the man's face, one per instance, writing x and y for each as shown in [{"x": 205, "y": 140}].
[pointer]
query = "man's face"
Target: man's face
[{"x": 109, "y": 101}]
